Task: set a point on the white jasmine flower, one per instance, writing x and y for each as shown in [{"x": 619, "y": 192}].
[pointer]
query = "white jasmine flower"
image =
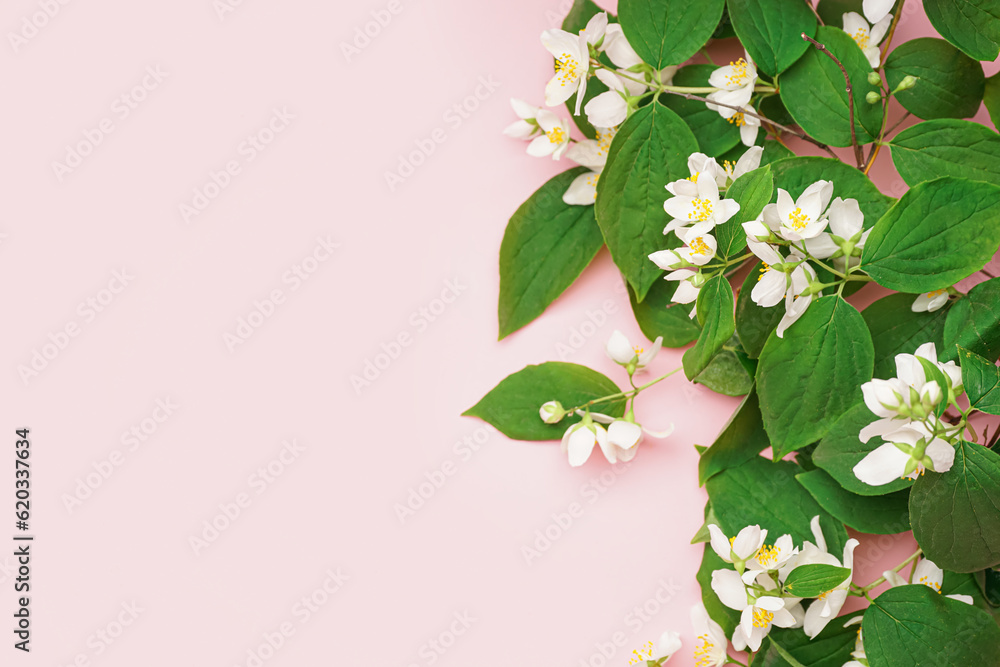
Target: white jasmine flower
[
  {"x": 593, "y": 154},
  {"x": 610, "y": 108},
  {"x": 572, "y": 54},
  {"x": 579, "y": 439},
  {"x": 803, "y": 218},
  {"x": 618, "y": 49},
  {"x": 738, "y": 549},
  {"x": 735, "y": 82},
  {"x": 632, "y": 358},
  {"x": 867, "y": 37},
  {"x": 847, "y": 227},
  {"x": 669, "y": 643},
  {"x": 624, "y": 436},
  {"x": 925, "y": 573},
  {"x": 711, "y": 649},
  {"x": 928, "y": 302},
  {"x": 555, "y": 139},
  {"x": 907, "y": 452},
  {"x": 771, "y": 558},
  {"x": 748, "y": 123},
  {"x": 860, "y": 659},
  {"x": 796, "y": 303},
  {"x": 698, "y": 250},
  {"x": 876, "y": 10},
  {"x": 595, "y": 29},
  {"x": 696, "y": 203},
  {"x": 526, "y": 127},
  {"x": 686, "y": 292},
  {"x": 772, "y": 283},
  {"x": 758, "y": 611}
]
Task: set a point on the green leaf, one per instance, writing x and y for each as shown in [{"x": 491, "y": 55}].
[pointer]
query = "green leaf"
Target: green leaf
[
  {"x": 981, "y": 378},
  {"x": 991, "y": 98},
  {"x": 956, "y": 514},
  {"x": 913, "y": 626},
  {"x": 726, "y": 374},
  {"x": 548, "y": 243},
  {"x": 765, "y": 493},
  {"x": 667, "y": 32},
  {"x": 796, "y": 174},
  {"x": 741, "y": 440},
  {"x": 832, "y": 11},
  {"x": 841, "y": 450},
  {"x": 813, "y": 375},
  {"x": 947, "y": 148},
  {"x": 752, "y": 191},
  {"x": 715, "y": 134},
  {"x": 771, "y": 31},
  {"x": 715, "y": 313},
  {"x": 896, "y": 329},
  {"x": 657, "y": 315},
  {"x": 718, "y": 612},
  {"x": 971, "y": 25},
  {"x": 791, "y": 647},
  {"x": 755, "y": 323},
  {"x": 815, "y": 93},
  {"x": 875, "y": 515},
  {"x": 950, "y": 83},
  {"x": 809, "y": 581},
  {"x": 650, "y": 150},
  {"x": 703, "y": 534},
  {"x": 576, "y": 20},
  {"x": 974, "y": 322},
  {"x": 938, "y": 233},
  {"x": 512, "y": 406}
]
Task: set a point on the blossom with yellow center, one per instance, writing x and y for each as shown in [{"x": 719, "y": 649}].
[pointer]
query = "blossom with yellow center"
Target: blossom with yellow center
[
  {"x": 735, "y": 82},
  {"x": 867, "y": 36},
  {"x": 554, "y": 139},
  {"x": 803, "y": 218},
  {"x": 711, "y": 644}
]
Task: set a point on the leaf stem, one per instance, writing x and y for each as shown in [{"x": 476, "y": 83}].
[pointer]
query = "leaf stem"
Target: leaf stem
[
  {"x": 624, "y": 394},
  {"x": 881, "y": 580}
]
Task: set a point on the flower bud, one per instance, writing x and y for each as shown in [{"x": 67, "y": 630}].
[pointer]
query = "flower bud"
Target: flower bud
[
  {"x": 552, "y": 412},
  {"x": 873, "y": 98},
  {"x": 907, "y": 83},
  {"x": 874, "y": 79}
]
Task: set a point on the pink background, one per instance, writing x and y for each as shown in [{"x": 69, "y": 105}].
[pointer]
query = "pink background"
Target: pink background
[{"x": 162, "y": 336}]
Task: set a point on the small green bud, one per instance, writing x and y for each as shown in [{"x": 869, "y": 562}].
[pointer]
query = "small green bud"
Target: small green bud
[
  {"x": 874, "y": 79},
  {"x": 907, "y": 83},
  {"x": 873, "y": 98},
  {"x": 552, "y": 412}
]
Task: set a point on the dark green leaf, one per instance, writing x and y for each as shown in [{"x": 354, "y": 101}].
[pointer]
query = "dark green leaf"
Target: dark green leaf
[
  {"x": 752, "y": 191},
  {"x": 971, "y": 25},
  {"x": 841, "y": 450},
  {"x": 896, "y": 329},
  {"x": 830, "y": 648},
  {"x": 875, "y": 515},
  {"x": 715, "y": 313},
  {"x": 813, "y": 375},
  {"x": 703, "y": 534},
  {"x": 658, "y": 316},
  {"x": 947, "y": 148},
  {"x": 548, "y": 243},
  {"x": 726, "y": 374},
  {"x": 765, "y": 493},
  {"x": 741, "y": 440},
  {"x": 771, "y": 31},
  {"x": 938, "y": 233},
  {"x": 991, "y": 98},
  {"x": 981, "y": 379},
  {"x": 815, "y": 93},
  {"x": 974, "y": 322},
  {"x": 755, "y": 323},
  {"x": 950, "y": 83},
  {"x": 956, "y": 514},
  {"x": 715, "y": 134},
  {"x": 913, "y": 626},
  {"x": 809, "y": 581},
  {"x": 512, "y": 406},
  {"x": 796, "y": 174},
  {"x": 667, "y": 32},
  {"x": 650, "y": 150},
  {"x": 832, "y": 11}
]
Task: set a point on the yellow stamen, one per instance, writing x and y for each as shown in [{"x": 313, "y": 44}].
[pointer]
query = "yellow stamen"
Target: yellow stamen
[
  {"x": 702, "y": 210},
  {"x": 740, "y": 73},
  {"x": 933, "y": 585},
  {"x": 762, "y": 618},
  {"x": 699, "y": 247},
  {"x": 566, "y": 68},
  {"x": 703, "y": 653},
  {"x": 937, "y": 292},
  {"x": 693, "y": 177},
  {"x": 729, "y": 166},
  {"x": 861, "y": 37},
  {"x": 799, "y": 219},
  {"x": 640, "y": 656},
  {"x": 604, "y": 139},
  {"x": 592, "y": 180},
  {"x": 738, "y": 119},
  {"x": 556, "y": 135},
  {"x": 768, "y": 555},
  {"x": 763, "y": 269}
]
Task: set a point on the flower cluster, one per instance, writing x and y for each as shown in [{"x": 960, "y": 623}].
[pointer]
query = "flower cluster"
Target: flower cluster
[
  {"x": 735, "y": 83},
  {"x": 909, "y": 407}
]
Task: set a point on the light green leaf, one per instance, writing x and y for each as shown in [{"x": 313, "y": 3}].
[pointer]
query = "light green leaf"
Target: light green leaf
[
  {"x": 714, "y": 133},
  {"x": 875, "y": 515},
  {"x": 741, "y": 440},
  {"x": 657, "y": 315},
  {"x": 512, "y": 406},
  {"x": 667, "y": 32},
  {"x": 971, "y": 25},
  {"x": 547, "y": 245},
  {"x": 815, "y": 93},
  {"x": 796, "y": 174},
  {"x": 914, "y": 626},
  {"x": 752, "y": 191},
  {"x": 947, "y": 148},
  {"x": 938, "y": 233},
  {"x": 809, "y": 581},
  {"x": 974, "y": 322},
  {"x": 896, "y": 329},
  {"x": 841, "y": 450},
  {"x": 715, "y": 313},
  {"x": 981, "y": 379},
  {"x": 771, "y": 31},
  {"x": 956, "y": 514},
  {"x": 813, "y": 375},
  {"x": 650, "y": 150},
  {"x": 950, "y": 83}
]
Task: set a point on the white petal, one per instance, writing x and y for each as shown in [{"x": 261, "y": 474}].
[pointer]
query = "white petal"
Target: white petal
[
  {"x": 541, "y": 147},
  {"x": 749, "y": 541},
  {"x": 821, "y": 246},
  {"x": 612, "y": 81},
  {"x": 624, "y": 434},
  {"x": 875, "y": 10},
  {"x": 580, "y": 445},
  {"x": 606, "y": 110},
  {"x": 880, "y": 428},
  {"x": 720, "y": 543},
  {"x": 619, "y": 349},
  {"x": 582, "y": 191},
  {"x": 618, "y": 49},
  {"x": 670, "y": 643},
  {"x": 942, "y": 454},
  {"x": 881, "y": 466},
  {"x": 928, "y": 574},
  {"x": 846, "y": 218},
  {"x": 749, "y": 161},
  {"x": 770, "y": 289},
  {"x": 730, "y": 589},
  {"x": 587, "y": 153},
  {"x": 596, "y": 27},
  {"x": 650, "y": 353},
  {"x": 853, "y": 22},
  {"x": 967, "y": 599}
]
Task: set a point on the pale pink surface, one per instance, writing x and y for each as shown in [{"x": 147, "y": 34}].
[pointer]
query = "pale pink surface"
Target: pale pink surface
[{"x": 162, "y": 336}]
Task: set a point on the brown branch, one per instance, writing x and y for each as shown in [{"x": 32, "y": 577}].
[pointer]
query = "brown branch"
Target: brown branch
[
  {"x": 858, "y": 156},
  {"x": 818, "y": 17},
  {"x": 898, "y": 123},
  {"x": 892, "y": 30}
]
